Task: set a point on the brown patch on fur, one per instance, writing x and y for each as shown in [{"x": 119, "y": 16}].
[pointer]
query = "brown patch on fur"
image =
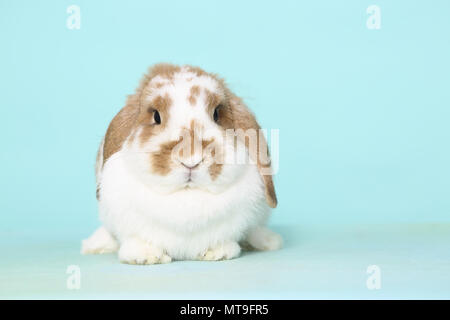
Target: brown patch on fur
[
  {"x": 270, "y": 191},
  {"x": 193, "y": 136},
  {"x": 160, "y": 104},
  {"x": 165, "y": 70},
  {"x": 161, "y": 161},
  {"x": 198, "y": 71},
  {"x": 214, "y": 170},
  {"x": 208, "y": 143},
  {"x": 194, "y": 131},
  {"x": 146, "y": 132},
  {"x": 195, "y": 91},
  {"x": 210, "y": 147},
  {"x": 226, "y": 119},
  {"x": 212, "y": 100},
  {"x": 120, "y": 128}
]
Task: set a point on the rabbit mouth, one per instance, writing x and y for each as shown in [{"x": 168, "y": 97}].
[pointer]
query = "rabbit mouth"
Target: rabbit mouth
[
  {"x": 189, "y": 180},
  {"x": 190, "y": 173}
]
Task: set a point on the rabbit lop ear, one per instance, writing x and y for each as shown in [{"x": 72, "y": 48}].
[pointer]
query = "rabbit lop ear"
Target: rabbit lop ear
[{"x": 243, "y": 119}]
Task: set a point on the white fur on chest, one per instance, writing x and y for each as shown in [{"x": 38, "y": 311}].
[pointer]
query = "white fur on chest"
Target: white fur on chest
[{"x": 183, "y": 223}]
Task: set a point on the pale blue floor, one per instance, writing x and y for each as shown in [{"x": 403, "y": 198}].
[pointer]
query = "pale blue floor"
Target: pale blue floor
[{"x": 316, "y": 263}]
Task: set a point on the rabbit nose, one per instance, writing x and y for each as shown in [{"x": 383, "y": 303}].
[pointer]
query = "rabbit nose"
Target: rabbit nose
[{"x": 190, "y": 165}]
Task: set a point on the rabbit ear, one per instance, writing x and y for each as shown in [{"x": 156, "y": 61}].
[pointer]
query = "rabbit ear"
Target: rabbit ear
[
  {"x": 120, "y": 127},
  {"x": 243, "y": 119}
]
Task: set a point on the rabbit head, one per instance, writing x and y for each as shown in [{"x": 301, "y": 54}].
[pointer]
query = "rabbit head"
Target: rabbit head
[{"x": 179, "y": 131}]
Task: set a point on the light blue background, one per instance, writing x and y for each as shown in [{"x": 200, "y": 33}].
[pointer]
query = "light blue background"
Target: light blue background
[{"x": 363, "y": 114}]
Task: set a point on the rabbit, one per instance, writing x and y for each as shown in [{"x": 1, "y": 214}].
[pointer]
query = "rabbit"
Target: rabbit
[{"x": 158, "y": 203}]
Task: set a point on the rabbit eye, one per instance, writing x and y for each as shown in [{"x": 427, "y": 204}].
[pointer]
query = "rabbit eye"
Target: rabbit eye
[
  {"x": 216, "y": 114},
  {"x": 156, "y": 117}
]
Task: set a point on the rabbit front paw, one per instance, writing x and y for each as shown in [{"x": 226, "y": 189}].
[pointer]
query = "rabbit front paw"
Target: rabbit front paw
[
  {"x": 136, "y": 251},
  {"x": 225, "y": 251}
]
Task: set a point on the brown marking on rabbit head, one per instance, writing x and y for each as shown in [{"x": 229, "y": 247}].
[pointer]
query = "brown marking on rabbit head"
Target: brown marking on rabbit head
[
  {"x": 215, "y": 168},
  {"x": 211, "y": 148},
  {"x": 212, "y": 100},
  {"x": 159, "y": 104},
  {"x": 161, "y": 161},
  {"x": 164, "y": 70},
  {"x": 194, "y": 93}
]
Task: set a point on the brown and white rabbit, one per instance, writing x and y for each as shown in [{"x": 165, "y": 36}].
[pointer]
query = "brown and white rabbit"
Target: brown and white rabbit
[{"x": 158, "y": 202}]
